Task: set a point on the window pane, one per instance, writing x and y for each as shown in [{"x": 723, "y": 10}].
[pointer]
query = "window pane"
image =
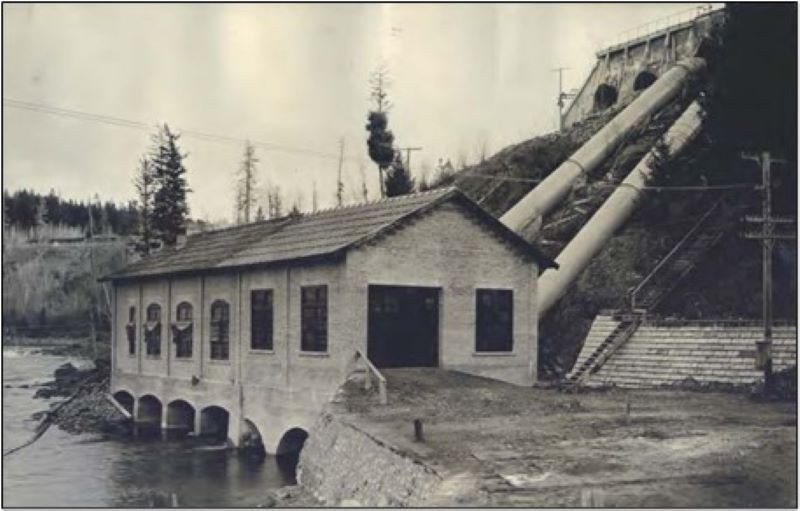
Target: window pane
[
  {"x": 494, "y": 329},
  {"x": 261, "y": 322},
  {"x": 153, "y": 312},
  {"x": 219, "y": 330},
  {"x": 314, "y": 318}
]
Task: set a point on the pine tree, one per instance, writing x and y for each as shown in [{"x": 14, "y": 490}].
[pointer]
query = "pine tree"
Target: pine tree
[
  {"x": 144, "y": 183},
  {"x": 381, "y": 139},
  {"x": 274, "y": 202},
  {"x": 364, "y": 191},
  {"x": 398, "y": 180},
  {"x": 169, "y": 200},
  {"x": 246, "y": 185},
  {"x": 260, "y": 215}
]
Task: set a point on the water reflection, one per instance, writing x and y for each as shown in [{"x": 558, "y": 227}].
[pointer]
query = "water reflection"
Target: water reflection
[{"x": 195, "y": 471}]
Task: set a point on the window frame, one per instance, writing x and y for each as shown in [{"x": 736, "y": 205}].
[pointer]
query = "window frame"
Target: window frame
[
  {"x": 152, "y": 338},
  {"x": 314, "y": 345},
  {"x": 183, "y": 338},
  {"x": 130, "y": 330},
  {"x": 219, "y": 349},
  {"x": 269, "y": 321},
  {"x": 487, "y": 341}
]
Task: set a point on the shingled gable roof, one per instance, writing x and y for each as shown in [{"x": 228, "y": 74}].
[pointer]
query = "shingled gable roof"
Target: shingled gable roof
[{"x": 326, "y": 233}]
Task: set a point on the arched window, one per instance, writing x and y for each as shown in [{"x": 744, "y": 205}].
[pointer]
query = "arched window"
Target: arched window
[
  {"x": 152, "y": 330},
  {"x": 182, "y": 330},
  {"x": 130, "y": 330},
  {"x": 220, "y": 330}
]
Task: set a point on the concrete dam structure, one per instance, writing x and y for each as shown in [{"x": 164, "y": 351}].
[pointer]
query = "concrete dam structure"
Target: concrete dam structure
[{"x": 638, "y": 58}]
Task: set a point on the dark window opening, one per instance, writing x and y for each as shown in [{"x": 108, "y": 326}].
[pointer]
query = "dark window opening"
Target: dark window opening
[
  {"x": 494, "y": 325},
  {"x": 220, "y": 323},
  {"x": 152, "y": 335},
  {"x": 604, "y": 97},
  {"x": 314, "y": 318},
  {"x": 130, "y": 330},
  {"x": 182, "y": 330},
  {"x": 643, "y": 80},
  {"x": 261, "y": 319}
]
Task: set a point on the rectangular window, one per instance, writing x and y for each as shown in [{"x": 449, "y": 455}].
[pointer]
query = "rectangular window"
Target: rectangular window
[
  {"x": 130, "y": 330},
  {"x": 261, "y": 319},
  {"x": 314, "y": 318},
  {"x": 220, "y": 324},
  {"x": 494, "y": 325}
]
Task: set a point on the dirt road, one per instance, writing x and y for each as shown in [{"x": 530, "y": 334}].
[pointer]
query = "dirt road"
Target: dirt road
[{"x": 500, "y": 445}]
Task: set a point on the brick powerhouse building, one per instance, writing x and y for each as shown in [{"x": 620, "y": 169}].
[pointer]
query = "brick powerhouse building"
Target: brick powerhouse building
[{"x": 256, "y": 326}]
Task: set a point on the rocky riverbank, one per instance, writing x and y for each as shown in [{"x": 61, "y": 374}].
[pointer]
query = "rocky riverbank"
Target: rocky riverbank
[{"x": 86, "y": 408}]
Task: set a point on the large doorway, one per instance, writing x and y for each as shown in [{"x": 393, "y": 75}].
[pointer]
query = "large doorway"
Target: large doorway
[{"x": 403, "y": 326}]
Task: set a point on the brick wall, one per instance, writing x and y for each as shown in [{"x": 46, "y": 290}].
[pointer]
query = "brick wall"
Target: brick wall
[
  {"x": 668, "y": 352},
  {"x": 284, "y": 387},
  {"x": 448, "y": 250}
]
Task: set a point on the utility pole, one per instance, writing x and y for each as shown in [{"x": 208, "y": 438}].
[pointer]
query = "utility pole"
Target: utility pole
[
  {"x": 408, "y": 155},
  {"x": 339, "y": 185},
  {"x": 562, "y": 96},
  {"x": 767, "y": 235},
  {"x": 95, "y": 308}
]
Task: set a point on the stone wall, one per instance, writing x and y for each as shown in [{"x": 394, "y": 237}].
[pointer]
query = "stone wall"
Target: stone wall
[
  {"x": 344, "y": 466},
  {"x": 667, "y": 352}
]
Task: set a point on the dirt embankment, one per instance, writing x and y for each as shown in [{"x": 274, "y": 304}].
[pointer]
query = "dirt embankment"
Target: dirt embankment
[{"x": 499, "y": 445}]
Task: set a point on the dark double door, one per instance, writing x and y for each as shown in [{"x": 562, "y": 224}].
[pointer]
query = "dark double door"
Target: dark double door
[{"x": 403, "y": 326}]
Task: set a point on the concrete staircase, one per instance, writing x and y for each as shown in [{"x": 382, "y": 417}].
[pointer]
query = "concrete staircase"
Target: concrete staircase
[
  {"x": 652, "y": 290},
  {"x": 602, "y": 351},
  {"x": 668, "y": 352}
]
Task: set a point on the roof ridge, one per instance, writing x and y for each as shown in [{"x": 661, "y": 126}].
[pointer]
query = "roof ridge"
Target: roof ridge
[
  {"x": 382, "y": 200},
  {"x": 238, "y": 226}
]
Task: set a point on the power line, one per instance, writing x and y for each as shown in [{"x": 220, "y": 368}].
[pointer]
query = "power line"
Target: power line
[
  {"x": 676, "y": 188},
  {"x": 129, "y": 123}
]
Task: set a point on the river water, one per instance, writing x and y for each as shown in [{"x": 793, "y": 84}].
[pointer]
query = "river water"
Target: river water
[{"x": 89, "y": 470}]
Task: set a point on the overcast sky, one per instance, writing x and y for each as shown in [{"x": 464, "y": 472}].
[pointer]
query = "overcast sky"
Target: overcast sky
[{"x": 291, "y": 75}]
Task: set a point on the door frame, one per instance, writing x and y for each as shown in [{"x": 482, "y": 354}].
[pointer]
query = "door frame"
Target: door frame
[{"x": 439, "y": 294}]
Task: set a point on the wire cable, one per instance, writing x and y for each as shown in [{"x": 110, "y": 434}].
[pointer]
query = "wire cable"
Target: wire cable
[{"x": 129, "y": 123}]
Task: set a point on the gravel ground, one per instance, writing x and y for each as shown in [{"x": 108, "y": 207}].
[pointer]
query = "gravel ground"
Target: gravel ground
[{"x": 501, "y": 445}]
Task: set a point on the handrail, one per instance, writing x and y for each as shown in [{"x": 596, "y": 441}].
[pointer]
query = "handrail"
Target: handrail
[
  {"x": 378, "y": 376},
  {"x": 656, "y": 26},
  {"x": 667, "y": 258}
]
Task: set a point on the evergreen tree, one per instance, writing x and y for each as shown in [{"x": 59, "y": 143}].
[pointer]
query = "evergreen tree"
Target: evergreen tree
[
  {"x": 398, "y": 180},
  {"x": 381, "y": 139},
  {"x": 145, "y": 183},
  {"x": 169, "y": 200},
  {"x": 260, "y": 215},
  {"x": 246, "y": 185}
]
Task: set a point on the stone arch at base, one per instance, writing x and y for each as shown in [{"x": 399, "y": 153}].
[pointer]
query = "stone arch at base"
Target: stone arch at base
[
  {"x": 215, "y": 421},
  {"x": 125, "y": 399},
  {"x": 150, "y": 409},
  {"x": 180, "y": 415}
]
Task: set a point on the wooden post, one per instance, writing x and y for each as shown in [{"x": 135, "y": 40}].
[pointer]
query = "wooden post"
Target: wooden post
[{"x": 767, "y": 236}]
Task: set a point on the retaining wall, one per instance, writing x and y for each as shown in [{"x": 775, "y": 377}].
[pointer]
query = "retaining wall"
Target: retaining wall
[{"x": 345, "y": 466}]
